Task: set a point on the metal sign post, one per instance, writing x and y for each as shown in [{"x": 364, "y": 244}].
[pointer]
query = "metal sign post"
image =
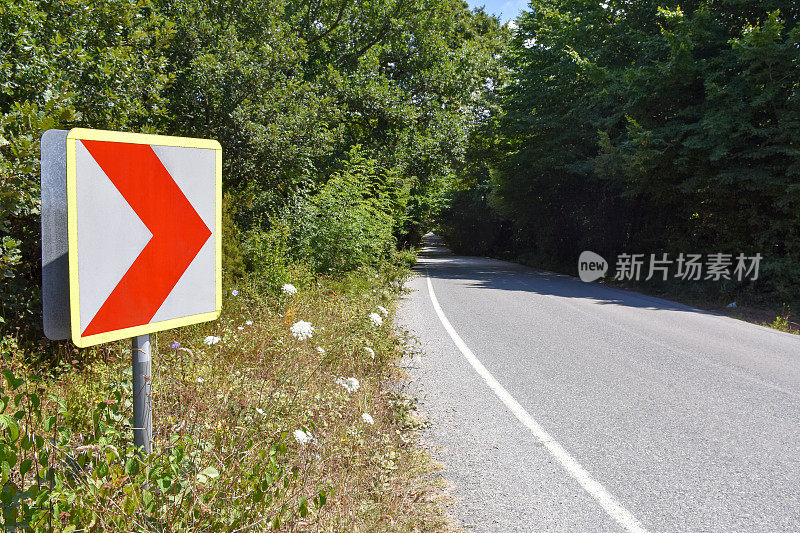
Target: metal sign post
[{"x": 142, "y": 393}]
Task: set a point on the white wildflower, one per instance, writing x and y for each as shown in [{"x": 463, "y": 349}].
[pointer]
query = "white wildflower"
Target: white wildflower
[
  {"x": 320, "y": 350},
  {"x": 351, "y": 384},
  {"x": 367, "y": 418},
  {"x": 376, "y": 319},
  {"x": 288, "y": 288},
  {"x": 240, "y": 328},
  {"x": 370, "y": 351},
  {"x": 249, "y": 323},
  {"x": 383, "y": 310},
  {"x": 260, "y": 411},
  {"x": 302, "y": 437},
  {"x": 200, "y": 380},
  {"x": 302, "y": 330},
  {"x": 211, "y": 339}
]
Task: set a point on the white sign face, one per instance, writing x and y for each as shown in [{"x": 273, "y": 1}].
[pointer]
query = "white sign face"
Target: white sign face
[{"x": 144, "y": 214}]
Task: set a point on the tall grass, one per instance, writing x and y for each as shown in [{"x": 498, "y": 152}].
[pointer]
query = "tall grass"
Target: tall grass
[{"x": 255, "y": 432}]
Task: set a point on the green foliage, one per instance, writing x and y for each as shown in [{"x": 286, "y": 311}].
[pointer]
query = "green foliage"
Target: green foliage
[
  {"x": 782, "y": 322},
  {"x": 654, "y": 126},
  {"x": 267, "y": 252},
  {"x": 469, "y": 225},
  {"x": 349, "y": 222},
  {"x": 64, "y": 64},
  {"x": 288, "y": 87},
  {"x": 233, "y": 264},
  {"x": 78, "y": 470}
]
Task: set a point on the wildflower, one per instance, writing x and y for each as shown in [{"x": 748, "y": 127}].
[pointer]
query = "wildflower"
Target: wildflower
[
  {"x": 240, "y": 328},
  {"x": 211, "y": 339},
  {"x": 234, "y": 292},
  {"x": 383, "y": 310},
  {"x": 367, "y": 418},
  {"x": 288, "y": 288},
  {"x": 260, "y": 411},
  {"x": 302, "y": 437},
  {"x": 302, "y": 330},
  {"x": 320, "y": 350},
  {"x": 249, "y": 323},
  {"x": 376, "y": 319},
  {"x": 175, "y": 345},
  {"x": 200, "y": 380},
  {"x": 370, "y": 351},
  {"x": 351, "y": 384}
]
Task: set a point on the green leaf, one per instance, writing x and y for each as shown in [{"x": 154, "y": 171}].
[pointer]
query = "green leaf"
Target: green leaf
[
  {"x": 9, "y": 375},
  {"x": 35, "y": 401},
  {"x": 13, "y": 431},
  {"x": 24, "y": 467},
  {"x": 49, "y": 422},
  {"x": 207, "y": 473},
  {"x": 129, "y": 506},
  {"x": 303, "y": 509},
  {"x": 130, "y": 466},
  {"x": 101, "y": 469}
]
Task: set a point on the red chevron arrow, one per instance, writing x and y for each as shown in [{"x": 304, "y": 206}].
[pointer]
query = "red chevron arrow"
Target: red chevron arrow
[{"x": 178, "y": 234}]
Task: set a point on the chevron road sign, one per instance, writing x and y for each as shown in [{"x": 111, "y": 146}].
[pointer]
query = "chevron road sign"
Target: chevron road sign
[{"x": 143, "y": 219}]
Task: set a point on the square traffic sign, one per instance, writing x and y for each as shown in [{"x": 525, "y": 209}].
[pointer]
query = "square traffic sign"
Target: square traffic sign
[{"x": 144, "y": 218}]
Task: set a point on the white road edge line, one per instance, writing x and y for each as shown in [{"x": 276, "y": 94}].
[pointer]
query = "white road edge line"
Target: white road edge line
[{"x": 611, "y": 506}]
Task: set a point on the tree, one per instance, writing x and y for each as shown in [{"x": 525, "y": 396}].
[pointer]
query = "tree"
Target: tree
[{"x": 654, "y": 126}]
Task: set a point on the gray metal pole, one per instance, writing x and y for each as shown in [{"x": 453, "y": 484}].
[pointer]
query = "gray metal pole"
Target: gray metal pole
[{"x": 142, "y": 408}]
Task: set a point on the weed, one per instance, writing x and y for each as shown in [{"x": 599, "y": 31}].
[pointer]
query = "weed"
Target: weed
[
  {"x": 782, "y": 323},
  {"x": 255, "y": 431}
]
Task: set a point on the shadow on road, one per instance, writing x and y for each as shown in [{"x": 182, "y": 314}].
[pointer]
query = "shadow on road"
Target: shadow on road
[{"x": 436, "y": 261}]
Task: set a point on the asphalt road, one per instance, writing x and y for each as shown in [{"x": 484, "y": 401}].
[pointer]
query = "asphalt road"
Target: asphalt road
[{"x": 558, "y": 405}]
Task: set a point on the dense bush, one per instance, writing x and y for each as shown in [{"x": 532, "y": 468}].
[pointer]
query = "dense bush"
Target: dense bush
[
  {"x": 654, "y": 127},
  {"x": 288, "y": 87},
  {"x": 64, "y": 64},
  {"x": 253, "y": 427},
  {"x": 349, "y": 222}
]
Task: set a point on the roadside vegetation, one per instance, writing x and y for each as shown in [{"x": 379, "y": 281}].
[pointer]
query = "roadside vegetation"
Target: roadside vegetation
[
  {"x": 282, "y": 415},
  {"x": 343, "y": 124},
  {"x": 297, "y": 92},
  {"x": 644, "y": 127}
]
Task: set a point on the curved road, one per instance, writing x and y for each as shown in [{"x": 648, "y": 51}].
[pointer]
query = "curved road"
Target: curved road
[{"x": 557, "y": 405}]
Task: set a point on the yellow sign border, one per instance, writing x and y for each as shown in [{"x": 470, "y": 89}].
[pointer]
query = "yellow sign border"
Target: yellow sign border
[{"x": 73, "y": 137}]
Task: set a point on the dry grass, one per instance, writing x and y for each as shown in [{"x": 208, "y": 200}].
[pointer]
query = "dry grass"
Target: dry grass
[{"x": 232, "y": 409}]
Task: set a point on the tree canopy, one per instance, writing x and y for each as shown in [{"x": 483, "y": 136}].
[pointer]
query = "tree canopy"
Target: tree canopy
[
  {"x": 649, "y": 126},
  {"x": 288, "y": 87}
]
